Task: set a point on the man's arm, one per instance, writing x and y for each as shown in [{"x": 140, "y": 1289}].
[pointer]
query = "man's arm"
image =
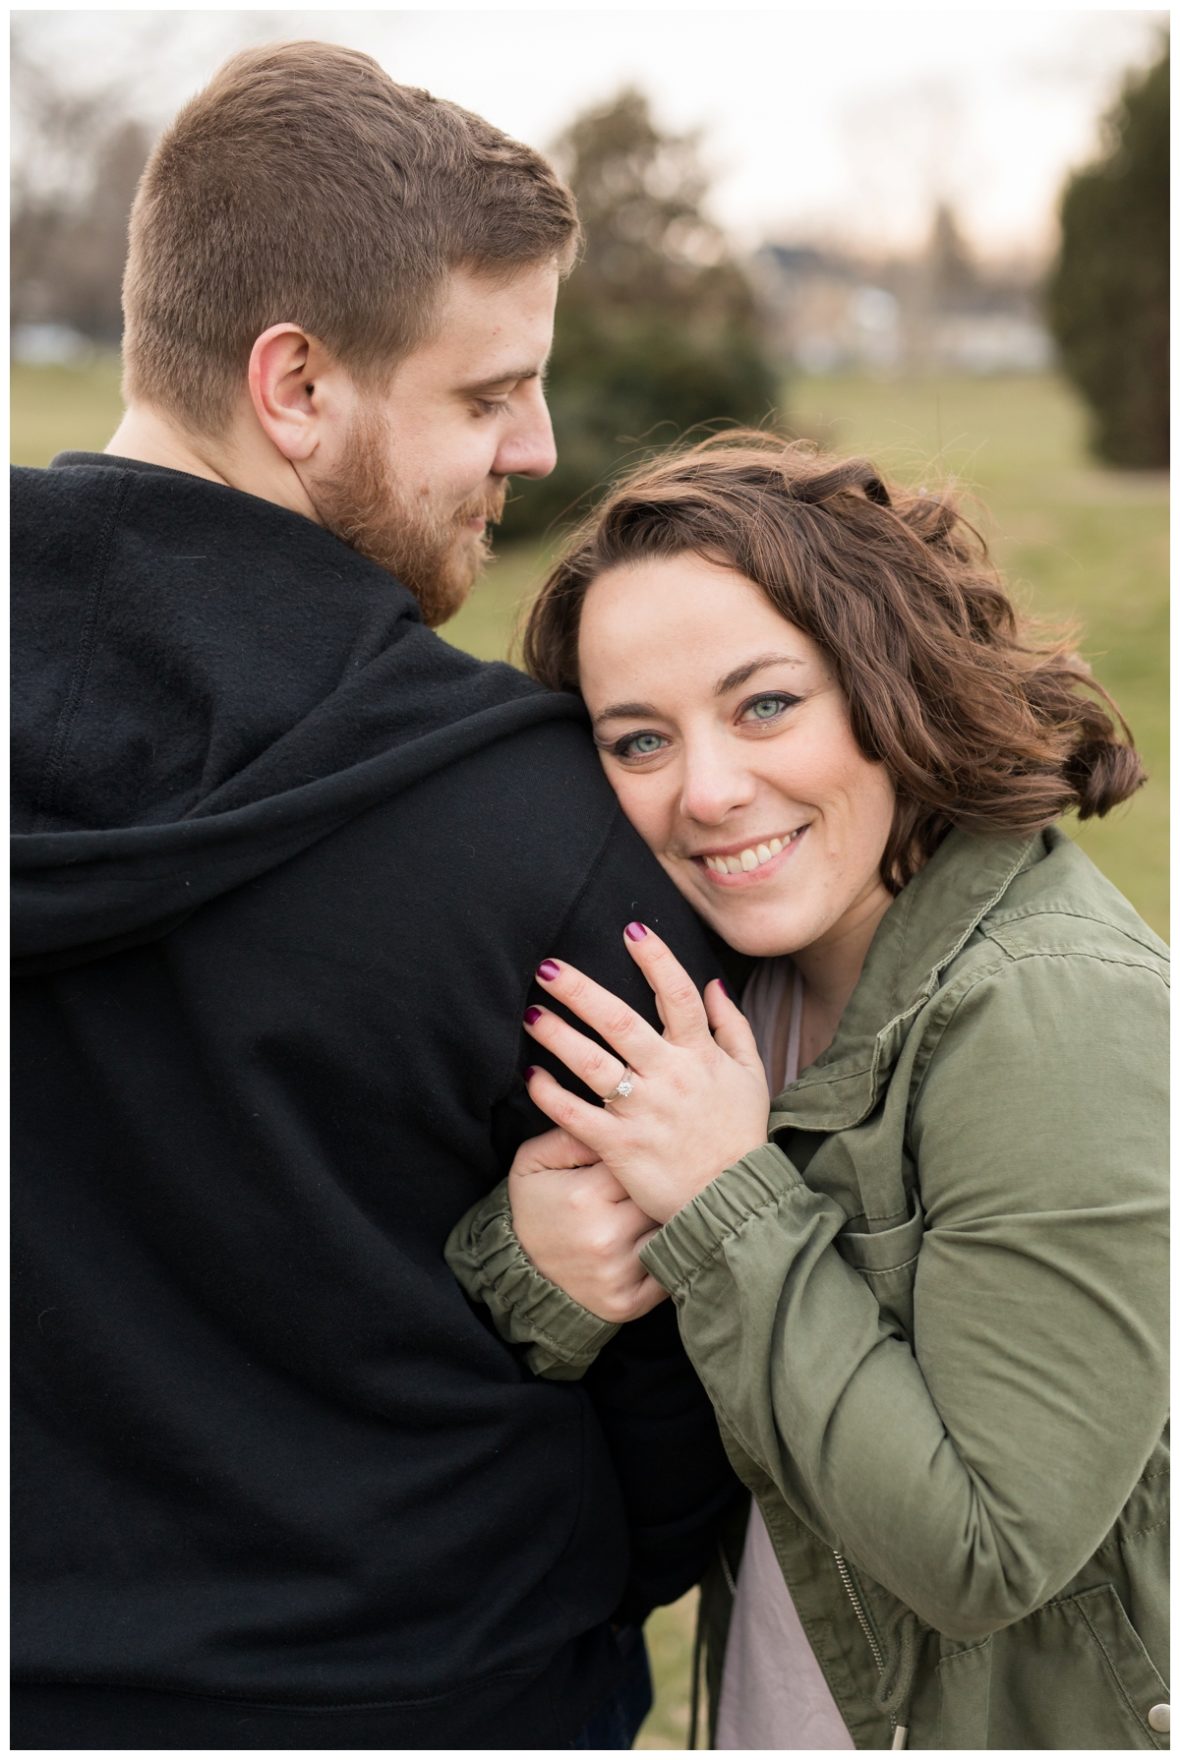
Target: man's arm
[{"x": 659, "y": 1425}]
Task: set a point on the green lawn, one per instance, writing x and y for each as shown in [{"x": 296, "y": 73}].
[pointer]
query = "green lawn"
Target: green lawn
[
  {"x": 63, "y": 409},
  {"x": 1081, "y": 543}
]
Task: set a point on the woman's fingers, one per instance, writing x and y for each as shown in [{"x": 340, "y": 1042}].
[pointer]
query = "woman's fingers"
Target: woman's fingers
[
  {"x": 552, "y": 1149},
  {"x": 625, "y": 1031},
  {"x": 731, "y": 1029},
  {"x": 677, "y": 997},
  {"x": 600, "y": 1069},
  {"x": 583, "y": 1232},
  {"x": 591, "y": 1125}
]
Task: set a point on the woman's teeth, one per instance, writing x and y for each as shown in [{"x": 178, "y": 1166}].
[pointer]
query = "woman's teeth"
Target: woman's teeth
[{"x": 747, "y": 860}]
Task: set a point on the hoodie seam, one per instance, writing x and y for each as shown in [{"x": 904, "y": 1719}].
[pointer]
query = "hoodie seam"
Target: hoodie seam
[{"x": 63, "y": 732}]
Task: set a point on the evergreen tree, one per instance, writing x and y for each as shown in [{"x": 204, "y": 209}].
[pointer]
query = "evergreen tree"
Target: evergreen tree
[
  {"x": 1108, "y": 291},
  {"x": 657, "y": 328}
]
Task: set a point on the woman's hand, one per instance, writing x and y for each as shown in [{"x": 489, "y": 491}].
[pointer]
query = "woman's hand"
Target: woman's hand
[
  {"x": 698, "y": 1100},
  {"x": 579, "y": 1227}
]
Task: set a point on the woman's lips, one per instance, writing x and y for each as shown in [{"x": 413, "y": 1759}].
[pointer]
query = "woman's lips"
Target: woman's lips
[{"x": 759, "y": 861}]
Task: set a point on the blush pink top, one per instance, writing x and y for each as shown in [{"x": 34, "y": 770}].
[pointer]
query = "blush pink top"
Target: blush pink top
[{"x": 773, "y": 1693}]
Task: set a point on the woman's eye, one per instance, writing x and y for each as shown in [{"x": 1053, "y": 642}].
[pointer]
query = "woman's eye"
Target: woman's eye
[
  {"x": 638, "y": 745},
  {"x": 768, "y": 707}
]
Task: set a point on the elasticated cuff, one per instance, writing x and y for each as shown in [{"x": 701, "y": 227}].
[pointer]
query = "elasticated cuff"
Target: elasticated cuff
[
  {"x": 758, "y": 1182},
  {"x": 562, "y": 1338}
]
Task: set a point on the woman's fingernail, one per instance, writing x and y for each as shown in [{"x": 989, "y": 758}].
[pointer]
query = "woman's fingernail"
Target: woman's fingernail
[
  {"x": 724, "y": 988},
  {"x": 530, "y": 1072},
  {"x": 548, "y": 968},
  {"x": 531, "y": 1015},
  {"x": 635, "y": 931}
]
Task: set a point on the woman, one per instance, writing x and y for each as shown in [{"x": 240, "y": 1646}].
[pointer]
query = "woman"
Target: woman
[{"x": 931, "y": 1309}]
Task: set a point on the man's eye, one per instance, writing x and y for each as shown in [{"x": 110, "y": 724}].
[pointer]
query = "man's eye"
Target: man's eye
[
  {"x": 491, "y": 406},
  {"x": 768, "y": 707}
]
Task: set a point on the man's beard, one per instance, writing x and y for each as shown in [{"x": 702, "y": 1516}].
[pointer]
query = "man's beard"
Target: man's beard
[{"x": 434, "y": 554}]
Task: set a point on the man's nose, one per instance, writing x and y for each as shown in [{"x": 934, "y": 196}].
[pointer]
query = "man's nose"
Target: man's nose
[{"x": 528, "y": 448}]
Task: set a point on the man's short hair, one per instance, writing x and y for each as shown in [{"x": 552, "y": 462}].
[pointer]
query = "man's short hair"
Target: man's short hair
[{"x": 303, "y": 186}]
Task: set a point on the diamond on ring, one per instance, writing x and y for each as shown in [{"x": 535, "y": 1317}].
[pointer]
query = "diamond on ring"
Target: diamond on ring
[{"x": 624, "y": 1087}]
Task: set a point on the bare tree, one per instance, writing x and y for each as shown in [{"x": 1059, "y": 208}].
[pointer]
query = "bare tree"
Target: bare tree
[{"x": 80, "y": 138}]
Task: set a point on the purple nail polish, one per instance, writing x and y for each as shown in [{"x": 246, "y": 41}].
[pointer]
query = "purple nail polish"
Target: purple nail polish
[
  {"x": 532, "y": 1014},
  {"x": 549, "y": 969},
  {"x": 530, "y": 1072},
  {"x": 635, "y": 931},
  {"x": 724, "y": 988}
]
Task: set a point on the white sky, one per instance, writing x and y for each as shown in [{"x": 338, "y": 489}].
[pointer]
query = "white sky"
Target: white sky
[{"x": 817, "y": 124}]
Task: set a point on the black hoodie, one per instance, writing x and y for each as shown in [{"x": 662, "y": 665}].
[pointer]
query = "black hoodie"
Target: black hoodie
[{"x": 284, "y": 864}]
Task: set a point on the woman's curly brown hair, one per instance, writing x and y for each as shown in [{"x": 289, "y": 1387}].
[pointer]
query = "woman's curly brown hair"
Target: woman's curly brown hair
[{"x": 979, "y": 725}]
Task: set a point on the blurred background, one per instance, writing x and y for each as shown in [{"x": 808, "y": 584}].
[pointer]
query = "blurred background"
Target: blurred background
[{"x": 937, "y": 238}]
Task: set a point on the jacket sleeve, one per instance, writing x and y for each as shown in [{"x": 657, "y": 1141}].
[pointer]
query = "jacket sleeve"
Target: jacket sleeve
[
  {"x": 560, "y": 1337},
  {"x": 973, "y": 1471}
]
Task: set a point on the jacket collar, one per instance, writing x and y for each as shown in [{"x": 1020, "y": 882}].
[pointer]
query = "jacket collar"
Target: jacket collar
[{"x": 924, "y": 928}]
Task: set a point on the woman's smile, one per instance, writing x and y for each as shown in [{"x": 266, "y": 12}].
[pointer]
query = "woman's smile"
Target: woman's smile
[{"x": 751, "y": 862}]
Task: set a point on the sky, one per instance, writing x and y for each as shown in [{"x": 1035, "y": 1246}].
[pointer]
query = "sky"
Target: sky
[{"x": 828, "y": 126}]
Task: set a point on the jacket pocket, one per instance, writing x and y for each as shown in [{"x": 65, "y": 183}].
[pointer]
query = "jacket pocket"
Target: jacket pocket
[
  {"x": 1139, "y": 1684},
  {"x": 1074, "y": 1674},
  {"x": 887, "y": 1260}
]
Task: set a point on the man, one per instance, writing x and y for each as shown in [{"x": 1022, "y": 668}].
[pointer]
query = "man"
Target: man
[{"x": 285, "y": 862}]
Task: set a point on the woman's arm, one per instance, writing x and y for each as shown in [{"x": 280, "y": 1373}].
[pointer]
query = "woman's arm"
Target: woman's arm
[{"x": 974, "y": 1472}]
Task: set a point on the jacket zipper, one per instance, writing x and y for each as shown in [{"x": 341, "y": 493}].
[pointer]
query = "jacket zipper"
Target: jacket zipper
[{"x": 899, "y": 1730}]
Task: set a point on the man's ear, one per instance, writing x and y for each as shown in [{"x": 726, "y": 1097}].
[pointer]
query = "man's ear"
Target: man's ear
[{"x": 288, "y": 401}]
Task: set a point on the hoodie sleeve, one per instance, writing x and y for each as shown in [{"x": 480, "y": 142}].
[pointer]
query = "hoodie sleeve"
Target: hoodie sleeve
[{"x": 657, "y": 1418}]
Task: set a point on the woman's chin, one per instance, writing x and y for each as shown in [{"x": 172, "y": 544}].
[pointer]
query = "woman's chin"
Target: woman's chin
[{"x": 758, "y": 935}]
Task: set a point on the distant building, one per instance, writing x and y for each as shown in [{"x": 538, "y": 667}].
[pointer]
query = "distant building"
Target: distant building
[
  {"x": 822, "y": 313},
  {"x": 990, "y": 342},
  {"x": 827, "y": 312},
  {"x": 49, "y": 345}
]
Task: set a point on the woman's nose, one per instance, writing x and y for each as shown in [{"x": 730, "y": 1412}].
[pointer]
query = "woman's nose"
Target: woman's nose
[{"x": 715, "y": 783}]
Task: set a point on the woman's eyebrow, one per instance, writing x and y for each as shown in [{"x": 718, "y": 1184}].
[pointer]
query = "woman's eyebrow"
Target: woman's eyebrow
[
  {"x": 741, "y": 674},
  {"x": 625, "y": 712},
  {"x": 731, "y": 682}
]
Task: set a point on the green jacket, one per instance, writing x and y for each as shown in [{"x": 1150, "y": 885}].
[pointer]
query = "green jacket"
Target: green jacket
[{"x": 932, "y": 1315}]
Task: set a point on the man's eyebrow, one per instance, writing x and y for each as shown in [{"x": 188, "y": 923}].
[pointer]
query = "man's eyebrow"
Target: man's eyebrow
[
  {"x": 510, "y": 376},
  {"x": 731, "y": 682}
]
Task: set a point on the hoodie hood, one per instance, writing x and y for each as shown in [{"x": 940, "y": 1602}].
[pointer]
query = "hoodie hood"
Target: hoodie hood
[{"x": 205, "y": 684}]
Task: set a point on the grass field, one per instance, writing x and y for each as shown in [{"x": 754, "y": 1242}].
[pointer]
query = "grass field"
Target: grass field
[{"x": 1081, "y": 543}]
